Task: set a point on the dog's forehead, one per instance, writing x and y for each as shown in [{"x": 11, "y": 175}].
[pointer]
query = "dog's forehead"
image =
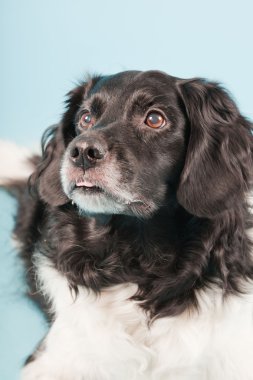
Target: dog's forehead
[{"x": 128, "y": 82}]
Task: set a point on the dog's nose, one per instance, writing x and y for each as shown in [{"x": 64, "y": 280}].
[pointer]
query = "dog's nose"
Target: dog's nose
[{"x": 86, "y": 155}]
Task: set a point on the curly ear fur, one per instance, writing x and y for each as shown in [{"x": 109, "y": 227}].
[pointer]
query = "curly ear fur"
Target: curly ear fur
[
  {"x": 46, "y": 178},
  {"x": 218, "y": 165}
]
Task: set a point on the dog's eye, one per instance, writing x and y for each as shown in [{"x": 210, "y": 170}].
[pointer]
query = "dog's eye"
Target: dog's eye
[
  {"x": 87, "y": 120},
  {"x": 155, "y": 120}
]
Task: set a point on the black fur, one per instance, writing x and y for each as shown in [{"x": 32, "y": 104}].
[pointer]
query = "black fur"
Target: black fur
[{"x": 194, "y": 175}]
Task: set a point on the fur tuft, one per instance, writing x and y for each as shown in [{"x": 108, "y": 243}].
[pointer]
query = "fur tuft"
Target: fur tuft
[{"x": 16, "y": 162}]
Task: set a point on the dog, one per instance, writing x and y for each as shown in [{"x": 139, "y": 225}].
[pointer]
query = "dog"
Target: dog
[{"x": 136, "y": 228}]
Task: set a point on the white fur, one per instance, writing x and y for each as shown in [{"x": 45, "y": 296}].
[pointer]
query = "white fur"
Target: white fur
[
  {"x": 13, "y": 162},
  {"x": 250, "y": 201},
  {"x": 106, "y": 337}
]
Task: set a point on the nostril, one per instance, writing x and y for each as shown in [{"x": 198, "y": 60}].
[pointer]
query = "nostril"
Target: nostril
[
  {"x": 94, "y": 154},
  {"x": 74, "y": 153}
]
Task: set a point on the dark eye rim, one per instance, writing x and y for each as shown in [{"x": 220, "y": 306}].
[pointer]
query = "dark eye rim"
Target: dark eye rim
[{"x": 165, "y": 120}]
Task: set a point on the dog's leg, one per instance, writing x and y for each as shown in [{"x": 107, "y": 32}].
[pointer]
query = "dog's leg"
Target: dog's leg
[
  {"x": 82, "y": 345},
  {"x": 33, "y": 368},
  {"x": 50, "y": 361}
]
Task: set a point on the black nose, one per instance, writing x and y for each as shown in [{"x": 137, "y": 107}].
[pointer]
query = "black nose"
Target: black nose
[{"x": 86, "y": 155}]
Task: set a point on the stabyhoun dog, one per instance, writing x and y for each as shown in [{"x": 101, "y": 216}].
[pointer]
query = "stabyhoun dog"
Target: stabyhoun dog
[{"x": 136, "y": 229}]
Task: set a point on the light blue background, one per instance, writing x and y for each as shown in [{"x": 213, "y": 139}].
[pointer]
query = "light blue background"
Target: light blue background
[{"x": 46, "y": 46}]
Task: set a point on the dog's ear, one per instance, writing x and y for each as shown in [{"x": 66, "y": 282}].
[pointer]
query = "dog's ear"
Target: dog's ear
[
  {"x": 218, "y": 163},
  {"x": 46, "y": 181}
]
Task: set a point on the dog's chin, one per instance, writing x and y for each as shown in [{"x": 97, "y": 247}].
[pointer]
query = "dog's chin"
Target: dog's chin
[{"x": 97, "y": 201}]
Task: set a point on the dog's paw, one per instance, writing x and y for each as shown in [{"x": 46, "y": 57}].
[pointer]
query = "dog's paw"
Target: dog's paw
[{"x": 36, "y": 371}]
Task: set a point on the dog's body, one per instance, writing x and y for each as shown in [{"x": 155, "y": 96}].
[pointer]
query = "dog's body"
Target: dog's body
[{"x": 139, "y": 233}]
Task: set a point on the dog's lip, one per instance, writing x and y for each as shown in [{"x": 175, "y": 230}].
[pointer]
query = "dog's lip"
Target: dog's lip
[
  {"x": 84, "y": 183},
  {"x": 88, "y": 182},
  {"x": 88, "y": 186}
]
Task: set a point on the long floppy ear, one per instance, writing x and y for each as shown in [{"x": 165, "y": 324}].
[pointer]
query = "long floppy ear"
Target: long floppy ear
[
  {"x": 45, "y": 181},
  {"x": 46, "y": 178},
  {"x": 218, "y": 165}
]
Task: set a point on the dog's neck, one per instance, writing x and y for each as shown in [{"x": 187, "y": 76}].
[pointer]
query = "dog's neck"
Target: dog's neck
[
  {"x": 169, "y": 256},
  {"x": 99, "y": 219}
]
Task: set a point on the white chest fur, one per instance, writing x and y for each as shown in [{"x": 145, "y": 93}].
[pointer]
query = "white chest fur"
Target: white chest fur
[{"x": 106, "y": 337}]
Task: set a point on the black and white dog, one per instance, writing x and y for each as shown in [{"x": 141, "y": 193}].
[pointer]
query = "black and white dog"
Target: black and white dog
[{"x": 135, "y": 226}]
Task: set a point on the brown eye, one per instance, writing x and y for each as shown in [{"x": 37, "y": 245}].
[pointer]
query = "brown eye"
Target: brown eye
[
  {"x": 155, "y": 120},
  {"x": 87, "y": 120}
]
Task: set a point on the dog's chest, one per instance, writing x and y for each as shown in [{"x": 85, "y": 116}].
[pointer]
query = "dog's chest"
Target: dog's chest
[{"x": 108, "y": 335}]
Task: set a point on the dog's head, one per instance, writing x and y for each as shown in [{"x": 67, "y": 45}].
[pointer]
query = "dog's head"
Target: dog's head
[{"x": 133, "y": 142}]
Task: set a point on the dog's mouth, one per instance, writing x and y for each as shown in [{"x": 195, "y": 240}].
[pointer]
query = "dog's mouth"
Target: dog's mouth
[
  {"x": 94, "y": 196},
  {"x": 88, "y": 187},
  {"x": 97, "y": 192}
]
